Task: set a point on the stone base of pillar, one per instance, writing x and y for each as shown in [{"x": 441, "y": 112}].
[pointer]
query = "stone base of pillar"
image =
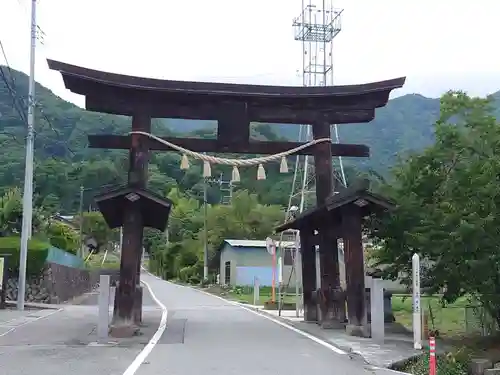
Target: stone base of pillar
[
  {"x": 331, "y": 308},
  {"x": 332, "y": 323},
  {"x": 123, "y": 329},
  {"x": 310, "y": 313},
  {"x": 138, "y": 305},
  {"x": 331, "y": 319},
  {"x": 358, "y": 331}
]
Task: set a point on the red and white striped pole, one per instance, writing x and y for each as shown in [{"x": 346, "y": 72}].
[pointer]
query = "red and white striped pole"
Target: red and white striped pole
[{"x": 432, "y": 355}]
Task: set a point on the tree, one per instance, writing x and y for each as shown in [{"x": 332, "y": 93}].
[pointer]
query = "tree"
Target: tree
[
  {"x": 63, "y": 236},
  {"x": 96, "y": 227},
  {"x": 182, "y": 258},
  {"x": 11, "y": 214},
  {"x": 449, "y": 207}
]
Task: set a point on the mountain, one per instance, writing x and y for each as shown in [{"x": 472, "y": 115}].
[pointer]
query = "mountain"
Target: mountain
[{"x": 404, "y": 125}]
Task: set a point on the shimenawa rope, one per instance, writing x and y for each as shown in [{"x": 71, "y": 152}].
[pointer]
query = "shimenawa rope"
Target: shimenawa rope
[{"x": 208, "y": 159}]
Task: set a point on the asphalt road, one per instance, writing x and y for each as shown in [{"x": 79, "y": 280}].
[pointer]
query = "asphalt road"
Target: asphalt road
[
  {"x": 64, "y": 342},
  {"x": 207, "y": 335},
  {"x": 204, "y": 335}
]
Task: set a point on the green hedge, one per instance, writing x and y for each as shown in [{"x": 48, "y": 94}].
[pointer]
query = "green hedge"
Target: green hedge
[
  {"x": 37, "y": 255},
  {"x": 455, "y": 363}
]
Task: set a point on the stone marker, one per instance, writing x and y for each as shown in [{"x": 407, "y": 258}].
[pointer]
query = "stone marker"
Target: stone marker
[
  {"x": 103, "y": 319},
  {"x": 479, "y": 365},
  {"x": 492, "y": 371},
  {"x": 377, "y": 309}
]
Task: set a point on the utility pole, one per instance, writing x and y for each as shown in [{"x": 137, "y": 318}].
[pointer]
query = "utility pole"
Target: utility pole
[
  {"x": 28, "y": 172},
  {"x": 206, "y": 181},
  {"x": 80, "y": 212},
  {"x": 205, "y": 229}
]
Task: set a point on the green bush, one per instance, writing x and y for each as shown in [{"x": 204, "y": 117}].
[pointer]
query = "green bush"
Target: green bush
[
  {"x": 37, "y": 255},
  {"x": 190, "y": 275},
  {"x": 449, "y": 364},
  {"x": 63, "y": 237}
]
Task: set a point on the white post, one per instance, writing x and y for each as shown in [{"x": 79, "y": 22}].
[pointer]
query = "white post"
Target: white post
[
  {"x": 103, "y": 319},
  {"x": 28, "y": 173},
  {"x": 318, "y": 268},
  {"x": 280, "y": 280},
  {"x": 280, "y": 269},
  {"x": 417, "y": 319},
  {"x": 298, "y": 302},
  {"x": 256, "y": 291},
  {"x": 377, "y": 309}
]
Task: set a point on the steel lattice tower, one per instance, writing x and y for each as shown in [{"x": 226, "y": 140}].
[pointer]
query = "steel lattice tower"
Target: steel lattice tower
[{"x": 316, "y": 27}]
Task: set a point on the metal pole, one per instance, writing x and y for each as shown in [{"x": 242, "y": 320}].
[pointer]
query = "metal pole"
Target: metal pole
[
  {"x": 297, "y": 279},
  {"x": 205, "y": 229},
  {"x": 28, "y": 173},
  {"x": 80, "y": 248}
]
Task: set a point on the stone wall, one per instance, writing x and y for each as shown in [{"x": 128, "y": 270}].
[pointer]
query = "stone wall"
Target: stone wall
[{"x": 58, "y": 284}]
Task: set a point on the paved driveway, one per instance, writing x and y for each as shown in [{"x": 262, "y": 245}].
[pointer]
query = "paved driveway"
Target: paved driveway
[{"x": 207, "y": 335}]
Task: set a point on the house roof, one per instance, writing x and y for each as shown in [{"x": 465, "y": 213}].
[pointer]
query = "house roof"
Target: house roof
[{"x": 255, "y": 243}]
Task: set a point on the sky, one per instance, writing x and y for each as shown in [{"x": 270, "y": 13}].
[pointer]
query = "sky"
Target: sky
[{"x": 437, "y": 45}]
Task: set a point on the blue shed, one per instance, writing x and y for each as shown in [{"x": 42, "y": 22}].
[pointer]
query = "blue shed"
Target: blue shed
[{"x": 243, "y": 260}]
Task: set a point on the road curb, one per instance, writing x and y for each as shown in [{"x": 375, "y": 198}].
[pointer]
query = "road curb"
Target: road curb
[{"x": 34, "y": 305}]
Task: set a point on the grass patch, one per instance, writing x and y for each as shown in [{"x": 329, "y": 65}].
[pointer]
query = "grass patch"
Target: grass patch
[
  {"x": 263, "y": 297},
  {"x": 449, "y": 320},
  {"x": 245, "y": 294},
  {"x": 112, "y": 261}
]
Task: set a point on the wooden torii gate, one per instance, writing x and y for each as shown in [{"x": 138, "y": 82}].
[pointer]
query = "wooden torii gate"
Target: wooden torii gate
[{"x": 233, "y": 106}]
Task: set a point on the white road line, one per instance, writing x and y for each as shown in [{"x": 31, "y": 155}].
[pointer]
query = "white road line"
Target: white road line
[
  {"x": 141, "y": 357},
  {"x": 30, "y": 321},
  {"x": 279, "y": 322}
]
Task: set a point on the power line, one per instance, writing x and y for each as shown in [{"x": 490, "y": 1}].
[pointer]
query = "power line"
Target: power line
[
  {"x": 18, "y": 101},
  {"x": 12, "y": 89}
]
